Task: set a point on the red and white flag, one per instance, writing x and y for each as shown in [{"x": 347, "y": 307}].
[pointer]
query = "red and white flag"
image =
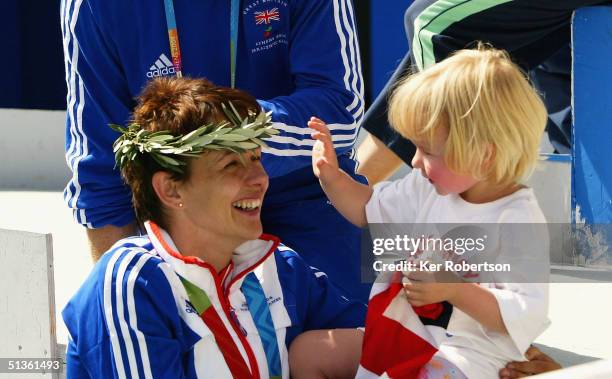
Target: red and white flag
[{"x": 399, "y": 338}]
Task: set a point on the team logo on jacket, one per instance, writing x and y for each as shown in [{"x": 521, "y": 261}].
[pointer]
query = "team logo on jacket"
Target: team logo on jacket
[
  {"x": 162, "y": 67},
  {"x": 267, "y": 21},
  {"x": 189, "y": 307},
  {"x": 267, "y": 16}
]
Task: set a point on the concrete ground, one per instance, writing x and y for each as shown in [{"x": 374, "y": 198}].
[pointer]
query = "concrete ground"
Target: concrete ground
[{"x": 580, "y": 312}]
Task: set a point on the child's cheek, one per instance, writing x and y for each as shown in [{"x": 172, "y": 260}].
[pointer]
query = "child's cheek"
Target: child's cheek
[
  {"x": 433, "y": 172},
  {"x": 458, "y": 184}
]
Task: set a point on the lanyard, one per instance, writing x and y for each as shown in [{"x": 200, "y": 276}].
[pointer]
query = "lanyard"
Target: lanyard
[
  {"x": 175, "y": 49},
  {"x": 233, "y": 39}
]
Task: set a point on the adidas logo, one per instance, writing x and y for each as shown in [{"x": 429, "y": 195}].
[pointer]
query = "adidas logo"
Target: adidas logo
[{"x": 162, "y": 67}]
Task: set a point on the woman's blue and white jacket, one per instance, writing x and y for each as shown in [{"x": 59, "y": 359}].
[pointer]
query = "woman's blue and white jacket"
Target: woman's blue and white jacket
[{"x": 132, "y": 317}]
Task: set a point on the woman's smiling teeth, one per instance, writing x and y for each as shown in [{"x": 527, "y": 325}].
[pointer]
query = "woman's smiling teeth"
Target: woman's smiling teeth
[{"x": 248, "y": 205}]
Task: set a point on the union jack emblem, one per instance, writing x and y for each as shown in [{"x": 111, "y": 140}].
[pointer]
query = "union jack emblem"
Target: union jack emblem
[{"x": 267, "y": 16}]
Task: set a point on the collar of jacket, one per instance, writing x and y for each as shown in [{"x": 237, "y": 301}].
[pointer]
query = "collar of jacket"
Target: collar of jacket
[
  {"x": 248, "y": 257},
  {"x": 223, "y": 289}
]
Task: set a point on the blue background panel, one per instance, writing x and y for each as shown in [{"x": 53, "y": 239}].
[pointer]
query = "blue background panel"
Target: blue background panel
[
  {"x": 388, "y": 40},
  {"x": 32, "y": 63},
  {"x": 592, "y": 100}
]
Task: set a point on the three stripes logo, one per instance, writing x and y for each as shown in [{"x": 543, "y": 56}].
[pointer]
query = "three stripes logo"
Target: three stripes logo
[{"x": 162, "y": 67}]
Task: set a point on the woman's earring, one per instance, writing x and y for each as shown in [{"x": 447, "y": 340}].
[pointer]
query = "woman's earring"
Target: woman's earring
[{"x": 180, "y": 205}]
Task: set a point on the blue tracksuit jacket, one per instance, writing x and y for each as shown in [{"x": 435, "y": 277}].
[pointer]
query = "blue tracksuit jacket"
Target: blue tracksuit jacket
[{"x": 135, "y": 316}]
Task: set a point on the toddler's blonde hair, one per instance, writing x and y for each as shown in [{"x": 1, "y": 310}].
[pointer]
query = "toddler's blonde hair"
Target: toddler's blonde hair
[{"x": 493, "y": 116}]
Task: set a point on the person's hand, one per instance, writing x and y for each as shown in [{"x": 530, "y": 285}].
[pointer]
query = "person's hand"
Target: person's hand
[
  {"x": 538, "y": 363},
  {"x": 421, "y": 289},
  {"x": 324, "y": 159}
]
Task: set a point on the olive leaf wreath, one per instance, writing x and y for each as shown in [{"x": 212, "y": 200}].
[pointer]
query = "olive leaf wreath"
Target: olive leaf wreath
[{"x": 237, "y": 135}]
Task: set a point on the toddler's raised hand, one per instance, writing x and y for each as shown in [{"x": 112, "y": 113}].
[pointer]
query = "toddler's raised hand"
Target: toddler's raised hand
[
  {"x": 324, "y": 159},
  {"x": 347, "y": 195}
]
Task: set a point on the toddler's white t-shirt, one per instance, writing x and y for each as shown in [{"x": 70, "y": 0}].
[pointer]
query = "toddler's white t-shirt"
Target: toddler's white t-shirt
[{"x": 477, "y": 352}]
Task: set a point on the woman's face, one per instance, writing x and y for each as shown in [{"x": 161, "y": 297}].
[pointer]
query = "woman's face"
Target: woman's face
[{"x": 223, "y": 195}]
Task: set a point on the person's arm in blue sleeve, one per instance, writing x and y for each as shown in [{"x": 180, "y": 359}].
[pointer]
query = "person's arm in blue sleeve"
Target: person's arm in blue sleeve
[
  {"x": 329, "y": 307},
  {"x": 98, "y": 95},
  {"x": 140, "y": 336},
  {"x": 74, "y": 365},
  {"x": 326, "y": 66},
  {"x": 319, "y": 303}
]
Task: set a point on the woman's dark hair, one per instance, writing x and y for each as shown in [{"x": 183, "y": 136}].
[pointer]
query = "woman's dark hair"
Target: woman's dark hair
[{"x": 177, "y": 105}]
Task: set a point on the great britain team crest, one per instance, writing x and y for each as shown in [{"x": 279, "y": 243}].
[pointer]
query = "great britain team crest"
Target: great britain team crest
[{"x": 265, "y": 20}]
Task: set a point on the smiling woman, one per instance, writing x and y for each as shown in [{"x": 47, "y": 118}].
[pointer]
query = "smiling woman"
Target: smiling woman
[
  {"x": 220, "y": 202},
  {"x": 203, "y": 293},
  {"x": 214, "y": 195},
  {"x": 177, "y": 108}
]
